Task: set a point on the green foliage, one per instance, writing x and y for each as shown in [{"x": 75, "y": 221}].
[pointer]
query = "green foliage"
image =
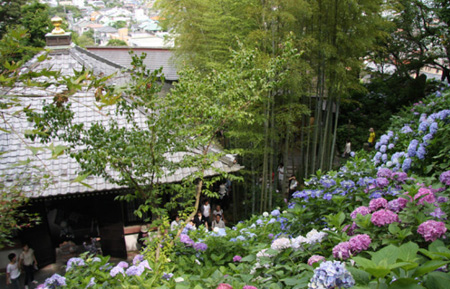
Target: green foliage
[
  {"x": 119, "y": 24},
  {"x": 35, "y": 18},
  {"x": 10, "y": 14},
  {"x": 116, "y": 42}
]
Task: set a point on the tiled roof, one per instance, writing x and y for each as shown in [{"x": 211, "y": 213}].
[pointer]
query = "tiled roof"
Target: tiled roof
[
  {"x": 155, "y": 59},
  {"x": 14, "y": 148}
]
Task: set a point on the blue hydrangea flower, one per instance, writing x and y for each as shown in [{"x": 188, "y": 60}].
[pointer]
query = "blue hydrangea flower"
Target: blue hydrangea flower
[
  {"x": 423, "y": 127},
  {"x": 291, "y": 205},
  {"x": 406, "y": 164},
  {"x": 412, "y": 148},
  {"x": 74, "y": 262},
  {"x": 384, "y": 158},
  {"x": 426, "y": 139},
  {"x": 167, "y": 276},
  {"x": 233, "y": 240},
  {"x": 391, "y": 146},
  {"x": 421, "y": 152},
  {"x": 352, "y": 154},
  {"x": 275, "y": 213},
  {"x": 383, "y": 148},
  {"x": 434, "y": 127},
  {"x": 363, "y": 182},
  {"x": 271, "y": 221},
  {"x": 347, "y": 184},
  {"x": 138, "y": 259},
  {"x": 331, "y": 274},
  {"x": 240, "y": 238},
  {"x": 55, "y": 281},
  {"x": 327, "y": 183},
  {"x": 327, "y": 196},
  {"x": 91, "y": 283},
  {"x": 406, "y": 129}
]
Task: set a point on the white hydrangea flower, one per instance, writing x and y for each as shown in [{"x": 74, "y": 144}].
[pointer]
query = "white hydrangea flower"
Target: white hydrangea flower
[
  {"x": 179, "y": 279},
  {"x": 265, "y": 214},
  {"x": 281, "y": 244}
]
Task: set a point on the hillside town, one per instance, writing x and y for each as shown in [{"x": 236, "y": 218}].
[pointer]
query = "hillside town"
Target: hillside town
[{"x": 130, "y": 23}]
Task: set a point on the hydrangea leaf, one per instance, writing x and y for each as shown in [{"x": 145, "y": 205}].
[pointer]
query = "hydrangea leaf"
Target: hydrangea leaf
[{"x": 429, "y": 267}]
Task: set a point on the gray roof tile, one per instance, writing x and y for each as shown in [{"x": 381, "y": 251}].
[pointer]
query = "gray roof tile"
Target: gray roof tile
[{"x": 65, "y": 168}]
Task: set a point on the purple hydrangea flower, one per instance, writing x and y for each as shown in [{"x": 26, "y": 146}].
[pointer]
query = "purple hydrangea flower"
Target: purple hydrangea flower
[
  {"x": 200, "y": 246},
  {"x": 438, "y": 213},
  {"x": 431, "y": 230},
  {"x": 397, "y": 205},
  {"x": 123, "y": 264},
  {"x": 135, "y": 270},
  {"x": 314, "y": 259},
  {"x": 137, "y": 259},
  {"x": 399, "y": 176},
  {"x": 442, "y": 199},
  {"x": 342, "y": 251},
  {"x": 382, "y": 182},
  {"x": 376, "y": 204},
  {"x": 384, "y": 173},
  {"x": 360, "y": 243},
  {"x": 445, "y": 178},
  {"x": 360, "y": 210},
  {"x": 116, "y": 270},
  {"x": 186, "y": 240},
  {"x": 55, "y": 281},
  {"x": 384, "y": 217},
  {"x": 331, "y": 274},
  {"x": 72, "y": 262}
]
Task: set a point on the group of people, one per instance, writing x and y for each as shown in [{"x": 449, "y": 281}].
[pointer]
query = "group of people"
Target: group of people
[
  {"x": 204, "y": 217},
  {"x": 25, "y": 263}
]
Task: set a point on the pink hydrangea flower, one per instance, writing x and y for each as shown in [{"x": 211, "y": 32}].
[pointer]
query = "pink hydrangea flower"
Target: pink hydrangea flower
[
  {"x": 397, "y": 205},
  {"x": 384, "y": 217},
  {"x": 350, "y": 229},
  {"x": 425, "y": 195},
  {"x": 224, "y": 286},
  {"x": 342, "y": 251},
  {"x": 376, "y": 204},
  {"x": 314, "y": 259},
  {"x": 237, "y": 258},
  {"x": 360, "y": 242},
  {"x": 431, "y": 230},
  {"x": 360, "y": 210},
  {"x": 384, "y": 173},
  {"x": 249, "y": 287}
]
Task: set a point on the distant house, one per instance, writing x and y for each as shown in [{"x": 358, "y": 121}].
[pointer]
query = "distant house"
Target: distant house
[
  {"x": 156, "y": 58},
  {"x": 65, "y": 204}
]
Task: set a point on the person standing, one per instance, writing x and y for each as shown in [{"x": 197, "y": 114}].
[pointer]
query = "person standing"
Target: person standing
[
  {"x": 13, "y": 272},
  {"x": 280, "y": 176},
  {"x": 371, "y": 139},
  {"x": 206, "y": 211},
  {"x": 29, "y": 263},
  {"x": 292, "y": 186},
  {"x": 348, "y": 148}
]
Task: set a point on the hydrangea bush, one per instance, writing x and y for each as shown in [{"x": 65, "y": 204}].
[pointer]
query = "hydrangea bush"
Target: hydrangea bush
[{"x": 380, "y": 221}]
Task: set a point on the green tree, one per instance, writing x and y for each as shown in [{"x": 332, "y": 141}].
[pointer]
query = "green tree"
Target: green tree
[
  {"x": 116, "y": 42},
  {"x": 10, "y": 13},
  {"x": 119, "y": 24},
  {"x": 35, "y": 18}
]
